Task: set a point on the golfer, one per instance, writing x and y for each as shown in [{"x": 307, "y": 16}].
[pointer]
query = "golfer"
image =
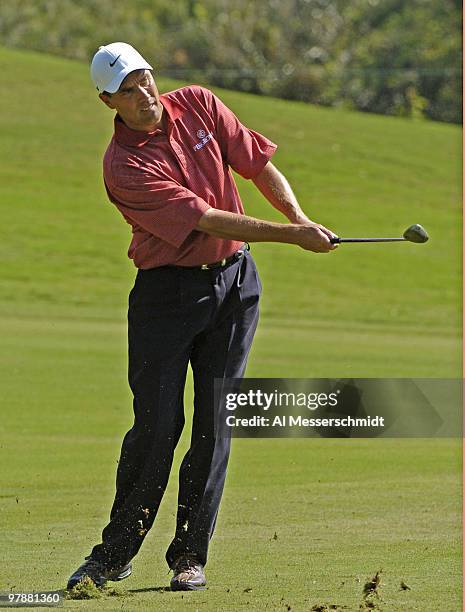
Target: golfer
[{"x": 195, "y": 298}]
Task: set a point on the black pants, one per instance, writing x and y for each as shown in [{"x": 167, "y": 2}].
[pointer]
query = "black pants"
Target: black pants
[{"x": 176, "y": 315}]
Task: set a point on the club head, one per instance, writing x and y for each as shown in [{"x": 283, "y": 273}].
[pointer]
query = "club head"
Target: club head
[{"x": 416, "y": 233}]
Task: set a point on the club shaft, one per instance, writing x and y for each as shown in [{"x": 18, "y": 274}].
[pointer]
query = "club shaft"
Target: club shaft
[{"x": 339, "y": 240}]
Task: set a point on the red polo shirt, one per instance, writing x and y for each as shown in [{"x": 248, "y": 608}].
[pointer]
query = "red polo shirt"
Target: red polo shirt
[{"x": 163, "y": 183}]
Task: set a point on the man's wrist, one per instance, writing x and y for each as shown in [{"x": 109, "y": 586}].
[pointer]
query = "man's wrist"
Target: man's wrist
[{"x": 299, "y": 218}]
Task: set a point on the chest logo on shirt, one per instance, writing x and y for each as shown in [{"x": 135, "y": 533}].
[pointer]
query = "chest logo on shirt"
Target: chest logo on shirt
[{"x": 204, "y": 138}]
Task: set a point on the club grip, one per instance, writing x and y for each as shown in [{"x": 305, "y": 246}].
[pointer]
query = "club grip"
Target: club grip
[{"x": 335, "y": 240}]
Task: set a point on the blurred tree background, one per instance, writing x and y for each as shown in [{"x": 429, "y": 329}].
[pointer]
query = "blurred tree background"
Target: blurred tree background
[{"x": 395, "y": 57}]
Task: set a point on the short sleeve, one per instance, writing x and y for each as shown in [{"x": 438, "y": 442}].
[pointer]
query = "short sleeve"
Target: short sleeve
[
  {"x": 246, "y": 151},
  {"x": 163, "y": 208}
]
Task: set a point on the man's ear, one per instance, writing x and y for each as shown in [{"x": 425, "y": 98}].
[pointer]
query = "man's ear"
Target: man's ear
[{"x": 106, "y": 99}]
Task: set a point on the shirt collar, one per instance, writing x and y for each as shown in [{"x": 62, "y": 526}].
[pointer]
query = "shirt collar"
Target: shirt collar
[{"x": 135, "y": 138}]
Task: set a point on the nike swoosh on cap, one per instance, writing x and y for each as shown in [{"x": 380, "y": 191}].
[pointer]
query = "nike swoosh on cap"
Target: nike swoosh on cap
[{"x": 113, "y": 63}]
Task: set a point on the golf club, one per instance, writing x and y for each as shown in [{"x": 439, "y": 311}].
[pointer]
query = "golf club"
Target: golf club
[{"x": 414, "y": 233}]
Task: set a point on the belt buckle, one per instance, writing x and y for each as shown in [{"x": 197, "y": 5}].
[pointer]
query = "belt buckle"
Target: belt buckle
[{"x": 218, "y": 264}]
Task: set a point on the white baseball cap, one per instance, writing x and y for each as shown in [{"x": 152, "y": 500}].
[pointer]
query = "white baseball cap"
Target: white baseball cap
[{"x": 112, "y": 63}]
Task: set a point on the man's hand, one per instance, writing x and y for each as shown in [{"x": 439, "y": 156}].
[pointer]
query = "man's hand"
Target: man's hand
[{"x": 315, "y": 237}]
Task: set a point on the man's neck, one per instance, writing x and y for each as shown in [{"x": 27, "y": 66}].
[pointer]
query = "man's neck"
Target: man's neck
[{"x": 149, "y": 127}]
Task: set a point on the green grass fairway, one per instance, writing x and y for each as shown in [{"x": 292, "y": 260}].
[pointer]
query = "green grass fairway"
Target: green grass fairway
[{"x": 303, "y": 523}]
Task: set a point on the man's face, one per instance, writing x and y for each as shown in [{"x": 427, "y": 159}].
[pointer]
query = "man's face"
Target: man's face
[{"x": 137, "y": 101}]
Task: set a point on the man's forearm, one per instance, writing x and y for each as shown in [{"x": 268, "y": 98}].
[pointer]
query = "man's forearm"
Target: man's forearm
[
  {"x": 232, "y": 226},
  {"x": 276, "y": 189}
]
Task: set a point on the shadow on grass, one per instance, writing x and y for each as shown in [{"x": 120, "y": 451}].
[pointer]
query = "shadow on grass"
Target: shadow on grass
[{"x": 157, "y": 589}]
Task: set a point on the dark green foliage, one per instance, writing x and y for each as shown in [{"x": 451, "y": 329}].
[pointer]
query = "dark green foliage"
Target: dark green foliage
[{"x": 395, "y": 57}]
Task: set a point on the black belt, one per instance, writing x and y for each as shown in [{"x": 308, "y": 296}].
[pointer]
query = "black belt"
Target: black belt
[{"x": 224, "y": 262}]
